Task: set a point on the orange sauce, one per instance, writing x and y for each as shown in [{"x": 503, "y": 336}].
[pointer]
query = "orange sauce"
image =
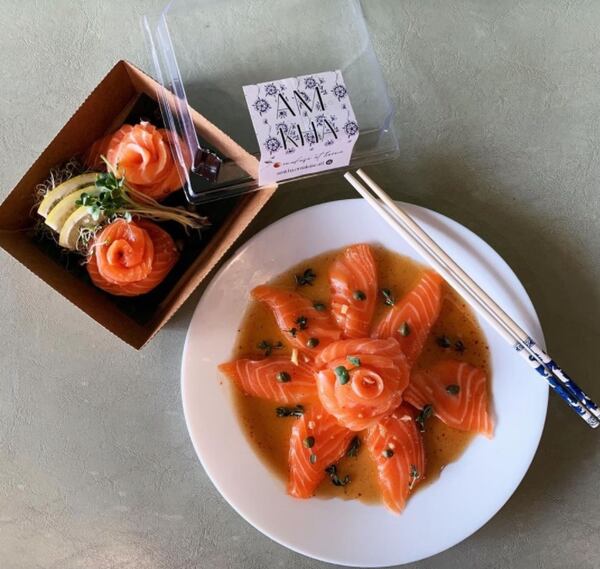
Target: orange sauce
[{"x": 269, "y": 434}]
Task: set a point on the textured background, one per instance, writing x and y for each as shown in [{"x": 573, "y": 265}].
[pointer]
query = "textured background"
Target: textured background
[{"x": 498, "y": 118}]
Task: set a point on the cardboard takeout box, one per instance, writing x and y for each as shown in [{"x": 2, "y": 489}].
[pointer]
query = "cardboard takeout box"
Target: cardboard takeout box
[{"x": 105, "y": 109}]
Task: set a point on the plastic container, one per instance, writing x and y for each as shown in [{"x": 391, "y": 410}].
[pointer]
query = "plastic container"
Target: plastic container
[{"x": 203, "y": 53}]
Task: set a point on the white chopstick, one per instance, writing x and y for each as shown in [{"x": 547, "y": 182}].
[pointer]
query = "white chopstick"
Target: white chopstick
[{"x": 403, "y": 224}]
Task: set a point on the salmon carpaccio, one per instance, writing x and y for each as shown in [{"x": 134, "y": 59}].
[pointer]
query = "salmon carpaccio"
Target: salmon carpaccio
[
  {"x": 298, "y": 319},
  {"x": 317, "y": 442},
  {"x": 458, "y": 394},
  {"x": 355, "y": 376},
  {"x": 131, "y": 258},
  {"x": 275, "y": 378},
  {"x": 353, "y": 284},
  {"x": 410, "y": 320},
  {"x": 396, "y": 446}
]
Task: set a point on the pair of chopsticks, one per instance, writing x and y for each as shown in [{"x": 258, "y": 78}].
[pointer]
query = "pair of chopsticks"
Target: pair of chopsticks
[{"x": 522, "y": 342}]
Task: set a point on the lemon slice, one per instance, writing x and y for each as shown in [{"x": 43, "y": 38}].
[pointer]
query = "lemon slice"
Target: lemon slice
[
  {"x": 69, "y": 234},
  {"x": 66, "y": 206},
  {"x": 64, "y": 189}
]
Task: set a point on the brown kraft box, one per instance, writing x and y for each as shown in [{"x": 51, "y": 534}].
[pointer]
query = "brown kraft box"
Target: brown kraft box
[{"x": 105, "y": 109}]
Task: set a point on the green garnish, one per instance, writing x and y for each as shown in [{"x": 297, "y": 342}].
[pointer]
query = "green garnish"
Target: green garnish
[
  {"x": 388, "y": 453},
  {"x": 283, "y": 377},
  {"x": 267, "y": 347},
  {"x": 306, "y": 278},
  {"x": 404, "y": 329},
  {"x": 292, "y": 332},
  {"x": 296, "y": 411},
  {"x": 313, "y": 458},
  {"x": 335, "y": 479},
  {"x": 459, "y": 346},
  {"x": 354, "y": 447},
  {"x": 388, "y": 297},
  {"x": 453, "y": 389},
  {"x": 319, "y": 306},
  {"x": 113, "y": 198},
  {"x": 309, "y": 442},
  {"x": 354, "y": 360},
  {"x": 359, "y": 295},
  {"x": 312, "y": 342},
  {"x": 342, "y": 374},
  {"x": 414, "y": 476},
  {"x": 425, "y": 413},
  {"x": 302, "y": 322},
  {"x": 110, "y": 198}
]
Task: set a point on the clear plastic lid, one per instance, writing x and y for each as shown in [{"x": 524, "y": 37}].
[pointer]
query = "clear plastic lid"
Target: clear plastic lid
[{"x": 205, "y": 51}]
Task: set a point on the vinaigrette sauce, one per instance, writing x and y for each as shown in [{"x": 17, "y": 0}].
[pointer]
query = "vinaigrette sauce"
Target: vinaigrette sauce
[{"x": 269, "y": 434}]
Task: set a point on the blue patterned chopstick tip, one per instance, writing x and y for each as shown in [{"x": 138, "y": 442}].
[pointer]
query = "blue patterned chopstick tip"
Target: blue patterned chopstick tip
[{"x": 560, "y": 382}]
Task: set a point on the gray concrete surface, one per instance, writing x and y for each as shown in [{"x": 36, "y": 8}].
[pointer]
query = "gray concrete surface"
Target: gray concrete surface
[{"x": 499, "y": 121}]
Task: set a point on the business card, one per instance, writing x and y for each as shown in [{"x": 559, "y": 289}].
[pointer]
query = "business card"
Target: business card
[{"x": 303, "y": 125}]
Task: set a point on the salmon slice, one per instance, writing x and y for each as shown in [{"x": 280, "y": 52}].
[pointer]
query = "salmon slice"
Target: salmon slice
[
  {"x": 396, "y": 446},
  {"x": 353, "y": 284},
  {"x": 458, "y": 393},
  {"x": 275, "y": 378},
  {"x": 359, "y": 394},
  {"x": 108, "y": 264},
  {"x": 410, "y": 320},
  {"x": 303, "y": 325},
  {"x": 369, "y": 346},
  {"x": 317, "y": 441}
]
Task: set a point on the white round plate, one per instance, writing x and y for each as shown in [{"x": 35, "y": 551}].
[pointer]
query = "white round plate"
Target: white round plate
[{"x": 469, "y": 491}]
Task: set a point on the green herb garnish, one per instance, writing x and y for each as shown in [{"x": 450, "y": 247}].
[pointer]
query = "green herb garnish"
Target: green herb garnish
[
  {"x": 113, "y": 198},
  {"x": 359, "y": 295},
  {"x": 425, "y": 413},
  {"x": 302, "y": 322},
  {"x": 267, "y": 347},
  {"x": 388, "y": 453},
  {"x": 414, "y": 476},
  {"x": 354, "y": 360},
  {"x": 319, "y": 306},
  {"x": 354, "y": 447},
  {"x": 335, "y": 479},
  {"x": 312, "y": 458},
  {"x": 388, "y": 297},
  {"x": 109, "y": 198},
  {"x": 283, "y": 377},
  {"x": 312, "y": 342},
  {"x": 293, "y": 332},
  {"x": 404, "y": 330},
  {"x": 453, "y": 389},
  {"x": 306, "y": 278},
  {"x": 296, "y": 411},
  {"x": 342, "y": 374},
  {"x": 309, "y": 442},
  {"x": 443, "y": 341},
  {"x": 459, "y": 346}
]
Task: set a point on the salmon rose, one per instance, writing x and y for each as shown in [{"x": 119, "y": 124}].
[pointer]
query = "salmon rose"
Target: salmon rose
[
  {"x": 142, "y": 153},
  {"x": 131, "y": 258},
  {"x": 362, "y": 380}
]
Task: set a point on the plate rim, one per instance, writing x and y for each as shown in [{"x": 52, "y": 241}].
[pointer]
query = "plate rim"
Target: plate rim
[{"x": 213, "y": 283}]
